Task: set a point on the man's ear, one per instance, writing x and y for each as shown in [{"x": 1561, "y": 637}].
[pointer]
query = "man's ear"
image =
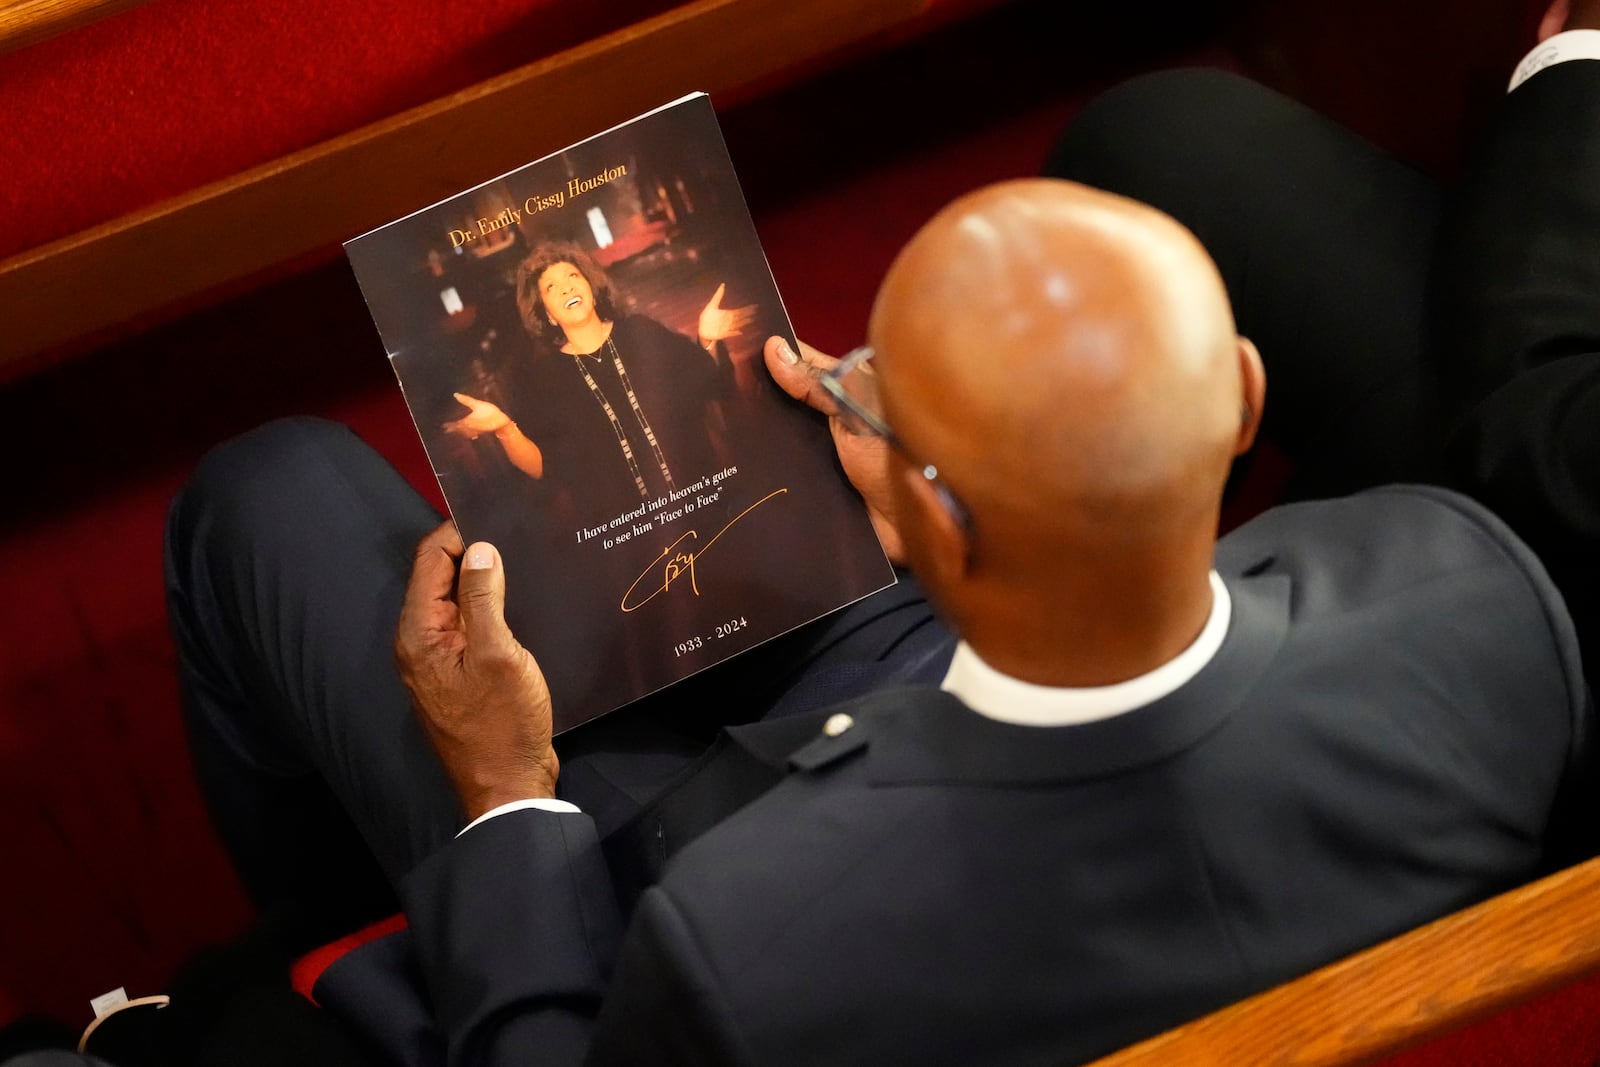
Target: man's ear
[
  {"x": 942, "y": 551},
  {"x": 1253, "y": 395}
]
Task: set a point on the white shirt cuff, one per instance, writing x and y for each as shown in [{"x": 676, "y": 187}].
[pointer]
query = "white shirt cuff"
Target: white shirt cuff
[
  {"x": 1564, "y": 46},
  {"x": 543, "y": 804}
]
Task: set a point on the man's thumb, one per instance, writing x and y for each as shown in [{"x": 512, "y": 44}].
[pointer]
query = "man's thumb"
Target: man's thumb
[
  {"x": 481, "y": 595},
  {"x": 793, "y": 376}
]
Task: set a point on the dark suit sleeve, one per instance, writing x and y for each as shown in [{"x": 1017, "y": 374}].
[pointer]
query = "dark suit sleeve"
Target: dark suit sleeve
[
  {"x": 667, "y": 1004},
  {"x": 516, "y": 930},
  {"x": 516, "y": 933},
  {"x": 1518, "y": 318}
]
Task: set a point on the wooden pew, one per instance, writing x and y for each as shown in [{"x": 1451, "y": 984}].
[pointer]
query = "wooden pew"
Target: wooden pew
[
  {"x": 74, "y": 290},
  {"x": 1406, "y": 991},
  {"x": 25, "y": 22}
]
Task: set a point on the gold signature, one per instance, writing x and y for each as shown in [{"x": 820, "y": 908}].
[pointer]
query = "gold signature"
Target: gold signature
[{"x": 681, "y": 563}]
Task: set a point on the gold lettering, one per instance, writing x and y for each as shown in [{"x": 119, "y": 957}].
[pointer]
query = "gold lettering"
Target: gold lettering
[
  {"x": 577, "y": 187},
  {"x": 544, "y": 203},
  {"x": 678, "y": 563}
]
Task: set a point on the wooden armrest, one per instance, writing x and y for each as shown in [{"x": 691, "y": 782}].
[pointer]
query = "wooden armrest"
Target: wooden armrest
[
  {"x": 25, "y": 22},
  {"x": 282, "y": 210},
  {"x": 1404, "y": 991}
]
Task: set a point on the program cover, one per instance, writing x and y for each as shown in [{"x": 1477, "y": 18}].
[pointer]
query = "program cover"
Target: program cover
[{"x": 579, "y": 342}]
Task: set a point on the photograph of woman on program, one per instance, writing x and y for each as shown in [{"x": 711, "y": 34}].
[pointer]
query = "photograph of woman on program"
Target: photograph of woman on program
[{"x": 618, "y": 409}]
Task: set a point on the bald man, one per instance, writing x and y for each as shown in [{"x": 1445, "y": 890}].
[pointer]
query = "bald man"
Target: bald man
[{"x": 1070, "y": 360}]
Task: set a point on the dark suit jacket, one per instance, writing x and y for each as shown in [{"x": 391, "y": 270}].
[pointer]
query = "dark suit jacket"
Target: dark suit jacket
[{"x": 1393, "y": 717}]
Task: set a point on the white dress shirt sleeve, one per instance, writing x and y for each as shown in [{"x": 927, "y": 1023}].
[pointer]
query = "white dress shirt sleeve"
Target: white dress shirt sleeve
[
  {"x": 544, "y": 804},
  {"x": 1562, "y": 47}
]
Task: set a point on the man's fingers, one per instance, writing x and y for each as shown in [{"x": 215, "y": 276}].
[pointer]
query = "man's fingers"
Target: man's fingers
[
  {"x": 800, "y": 374},
  {"x": 443, "y": 546},
  {"x": 817, "y": 358},
  {"x": 1583, "y": 15},
  {"x": 434, "y": 570},
  {"x": 427, "y": 607}
]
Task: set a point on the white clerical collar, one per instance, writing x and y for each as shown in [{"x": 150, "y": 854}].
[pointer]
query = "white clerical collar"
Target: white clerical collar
[{"x": 999, "y": 696}]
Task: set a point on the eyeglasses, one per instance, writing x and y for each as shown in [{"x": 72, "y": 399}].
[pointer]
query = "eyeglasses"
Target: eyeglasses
[{"x": 854, "y": 385}]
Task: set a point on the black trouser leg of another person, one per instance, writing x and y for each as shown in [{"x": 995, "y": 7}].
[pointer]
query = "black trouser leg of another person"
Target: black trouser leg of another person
[
  {"x": 1325, "y": 245},
  {"x": 1409, "y": 332},
  {"x": 1518, "y": 316}
]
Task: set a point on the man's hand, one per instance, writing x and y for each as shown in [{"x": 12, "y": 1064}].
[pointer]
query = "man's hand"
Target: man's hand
[
  {"x": 865, "y": 458},
  {"x": 480, "y": 695},
  {"x": 1569, "y": 15}
]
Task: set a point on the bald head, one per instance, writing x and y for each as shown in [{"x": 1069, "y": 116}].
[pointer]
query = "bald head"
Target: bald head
[
  {"x": 1068, "y": 360},
  {"x": 1058, "y": 347}
]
